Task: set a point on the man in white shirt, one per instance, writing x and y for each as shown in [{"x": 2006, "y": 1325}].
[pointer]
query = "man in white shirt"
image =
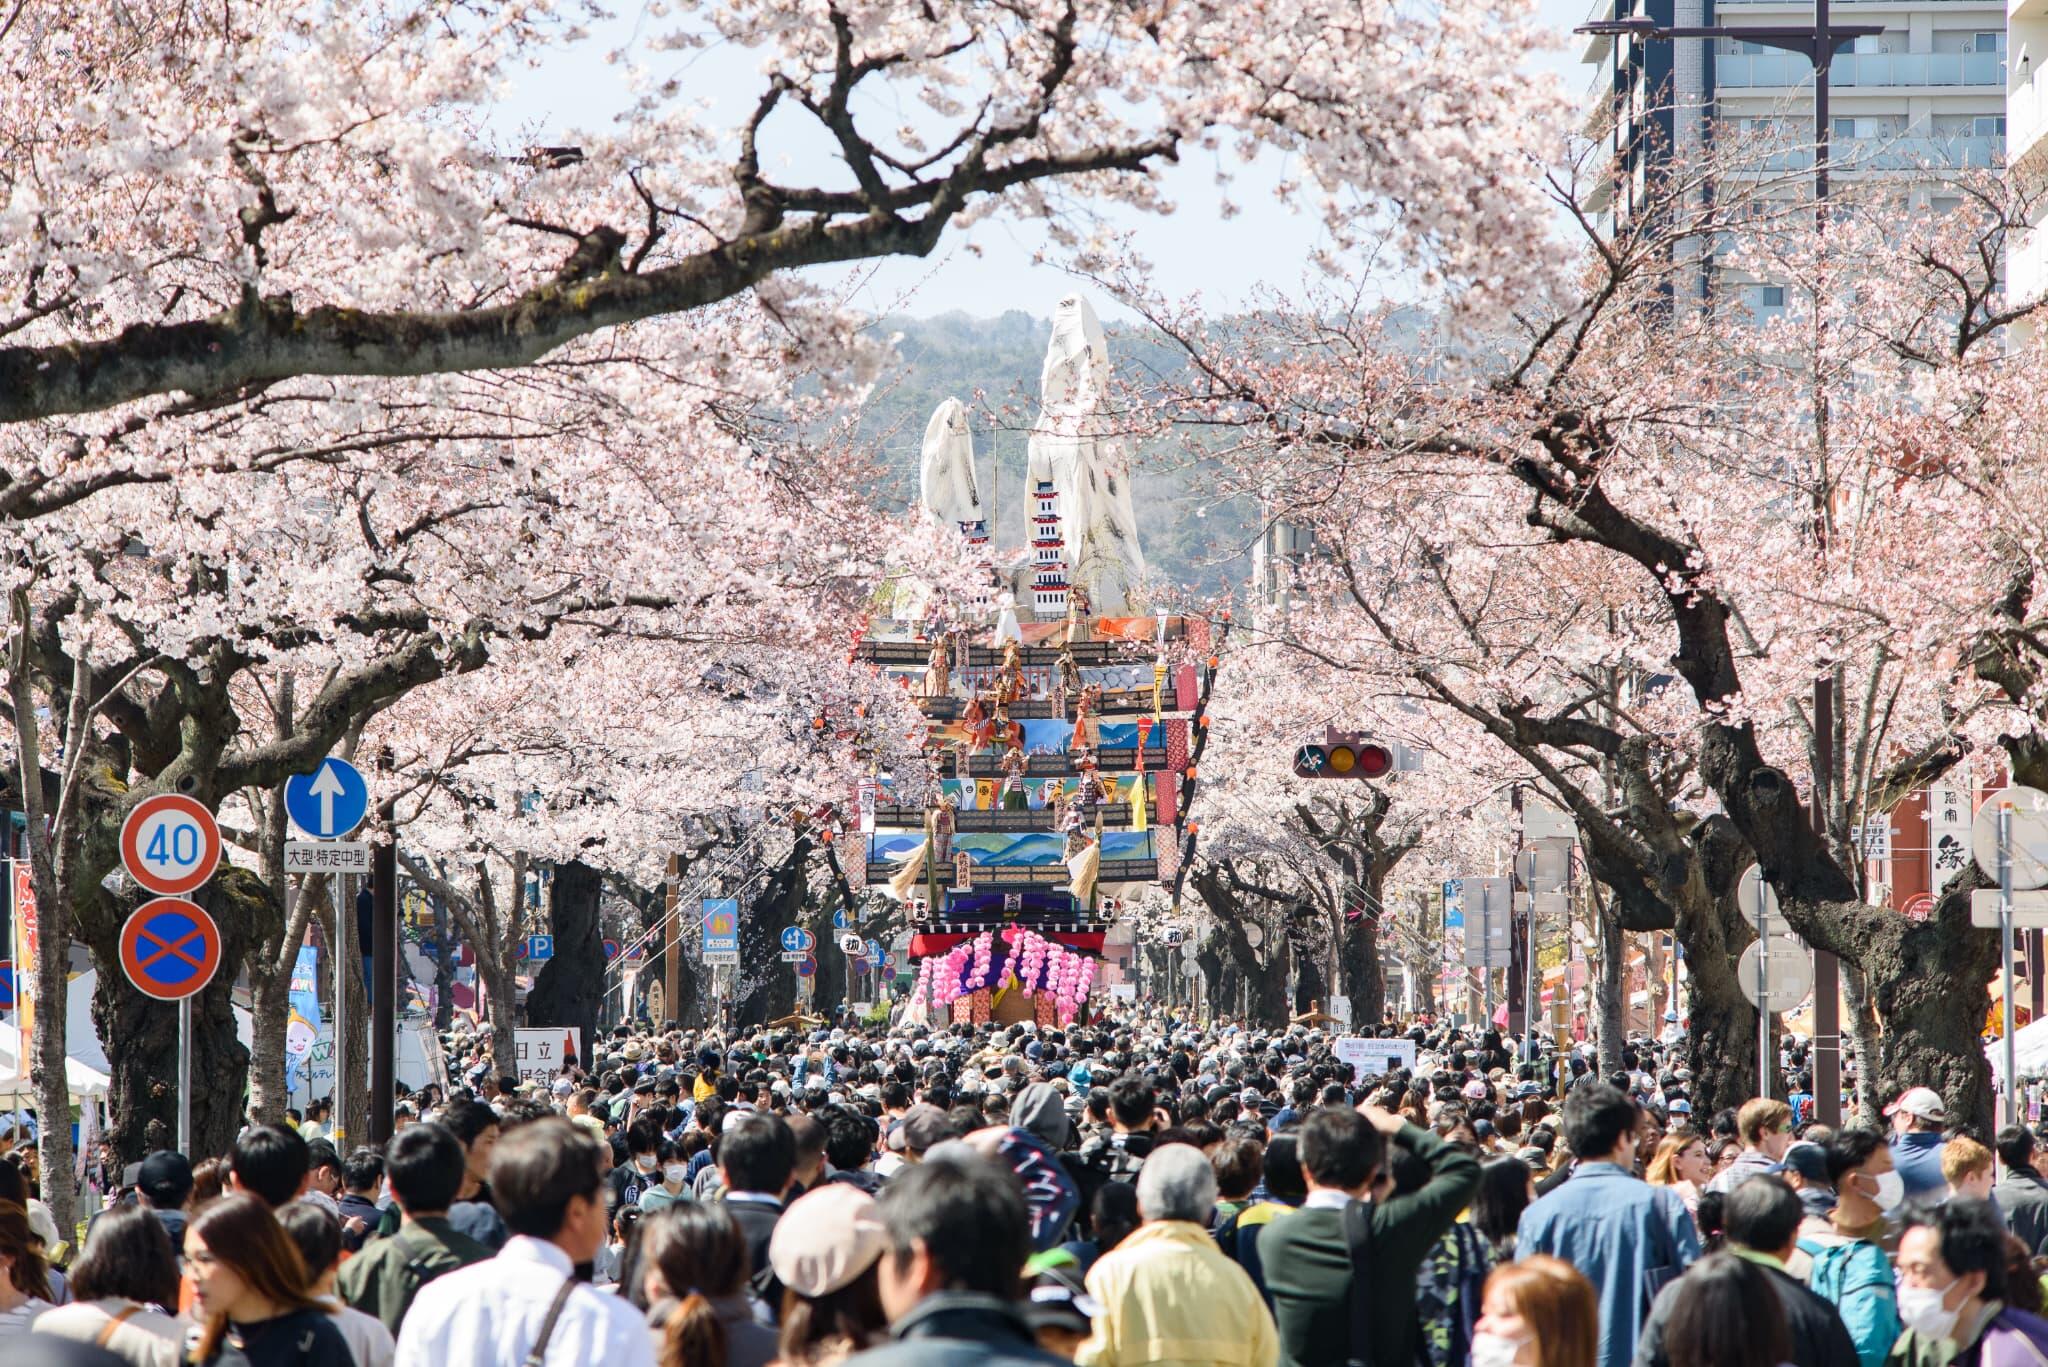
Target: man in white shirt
[{"x": 546, "y": 1182}]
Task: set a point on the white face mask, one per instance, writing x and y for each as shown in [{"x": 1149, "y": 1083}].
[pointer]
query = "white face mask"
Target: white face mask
[
  {"x": 645, "y": 1164},
  {"x": 674, "y": 1172},
  {"x": 1922, "y": 1311},
  {"x": 1891, "y": 1189},
  {"x": 1493, "y": 1350}
]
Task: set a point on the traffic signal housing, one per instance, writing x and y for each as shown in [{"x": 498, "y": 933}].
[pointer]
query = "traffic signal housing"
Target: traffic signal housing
[{"x": 1345, "y": 756}]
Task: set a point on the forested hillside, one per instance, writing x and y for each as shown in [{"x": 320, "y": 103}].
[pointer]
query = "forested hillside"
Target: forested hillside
[{"x": 991, "y": 365}]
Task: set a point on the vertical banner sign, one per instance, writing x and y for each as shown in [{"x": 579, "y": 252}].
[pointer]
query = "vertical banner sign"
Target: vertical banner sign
[
  {"x": 721, "y": 930},
  {"x": 1948, "y": 832},
  {"x": 865, "y": 794},
  {"x": 25, "y": 943},
  {"x": 302, "y": 1025}
]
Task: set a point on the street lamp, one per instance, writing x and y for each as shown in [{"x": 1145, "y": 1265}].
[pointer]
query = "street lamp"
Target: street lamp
[{"x": 1818, "y": 42}]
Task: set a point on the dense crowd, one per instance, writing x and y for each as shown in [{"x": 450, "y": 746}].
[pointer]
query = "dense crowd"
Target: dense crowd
[{"x": 1142, "y": 1190}]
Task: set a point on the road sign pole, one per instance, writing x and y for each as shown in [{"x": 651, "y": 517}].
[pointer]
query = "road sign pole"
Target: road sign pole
[
  {"x": 185, "y": 1075},
  {"x": 1763, "y": 995},
  {"x": 338, "y": 951},
  {"x": 2012, "y": 1081},
  {"x": 383, "y": 987}
]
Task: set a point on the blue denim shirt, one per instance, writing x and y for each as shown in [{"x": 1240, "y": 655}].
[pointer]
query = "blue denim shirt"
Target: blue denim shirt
[
  {"x": 1617, "y": 1229},
  {"x": 1916, "y": 1156}
]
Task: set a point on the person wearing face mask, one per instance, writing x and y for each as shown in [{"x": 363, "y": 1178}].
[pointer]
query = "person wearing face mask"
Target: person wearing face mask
[
  {"x": 1537, "y": 1313},
  {"x": 1952, "y": 1283},
  {"x": 624, "y": 1184},
  {"x": 1628, "y": 1237},
  {"x": 1849, "y": 1265},
  {"x": 674, "y": 1186}
]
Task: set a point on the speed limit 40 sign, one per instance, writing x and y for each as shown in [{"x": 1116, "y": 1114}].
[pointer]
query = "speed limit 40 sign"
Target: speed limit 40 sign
[{"x": 170, "y": 844}]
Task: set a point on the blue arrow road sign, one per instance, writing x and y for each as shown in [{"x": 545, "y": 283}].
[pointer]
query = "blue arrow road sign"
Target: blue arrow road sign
[
  {"x": 329, "y": 802},
  {"x": 839, "y": 921},
  {"x": 796, "y": 938},
  {"x": 539, "y": 947}
]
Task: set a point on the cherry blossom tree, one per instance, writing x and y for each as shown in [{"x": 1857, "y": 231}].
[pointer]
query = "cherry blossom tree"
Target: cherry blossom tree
[{"x": 1624, "y": 539}]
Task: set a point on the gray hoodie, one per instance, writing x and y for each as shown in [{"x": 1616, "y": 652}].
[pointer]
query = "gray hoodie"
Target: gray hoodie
[{"x": 1041, "y": 1110}]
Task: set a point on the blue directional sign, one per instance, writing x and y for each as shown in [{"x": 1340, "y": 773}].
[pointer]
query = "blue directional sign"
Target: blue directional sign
[
  {"x": 329, "y": 802},
  {"x": 540, "y": 947},
  {"x": 796, "y": 939},
  {"x": 839, "y": 921}
]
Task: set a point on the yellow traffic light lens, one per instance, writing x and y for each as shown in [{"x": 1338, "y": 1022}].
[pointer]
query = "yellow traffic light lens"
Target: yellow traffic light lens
[{"x": 1342, "y": 759}]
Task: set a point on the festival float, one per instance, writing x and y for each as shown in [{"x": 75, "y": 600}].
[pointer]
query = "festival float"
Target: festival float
[{"x": 1062, "y": 725}]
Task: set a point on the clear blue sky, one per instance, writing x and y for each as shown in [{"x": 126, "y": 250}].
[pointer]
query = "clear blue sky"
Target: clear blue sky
[{"x": 1194, "y": 250}]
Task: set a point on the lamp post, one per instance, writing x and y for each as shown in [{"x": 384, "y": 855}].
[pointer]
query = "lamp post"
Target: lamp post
[{"x": 1818, "y": 42}]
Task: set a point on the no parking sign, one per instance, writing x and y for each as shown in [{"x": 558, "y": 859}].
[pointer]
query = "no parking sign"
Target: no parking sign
[{"x": 170, "y": 949}]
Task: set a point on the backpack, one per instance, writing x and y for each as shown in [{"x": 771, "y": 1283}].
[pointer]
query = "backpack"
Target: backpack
[
  {"x": 1836, "y": 1274},
  {"x": 1449, "y": 1287},
  {"x": 421, "y": 1265}
]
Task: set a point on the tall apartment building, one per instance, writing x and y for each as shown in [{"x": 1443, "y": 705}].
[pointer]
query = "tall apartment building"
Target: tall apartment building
[
  {"x": 1927, "y": 92},
  {"x": 2026, "y": 103}
]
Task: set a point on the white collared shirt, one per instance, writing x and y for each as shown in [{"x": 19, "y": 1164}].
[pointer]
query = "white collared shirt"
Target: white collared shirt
[
  {"x": 490, "y": 1313},
  {"x": 1326, "y": 1198}
]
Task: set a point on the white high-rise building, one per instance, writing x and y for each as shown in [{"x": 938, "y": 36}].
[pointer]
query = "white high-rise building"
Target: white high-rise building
[
  {"x": 1924, "y": 96},
  {"x": 2026, "y": 104}
]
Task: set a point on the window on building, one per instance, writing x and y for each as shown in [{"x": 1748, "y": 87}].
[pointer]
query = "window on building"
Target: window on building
[
  {"x": 1988, "y": 42},
  {"x": 1989, "y": 126},
  {"x": 1770, "y": 296}
]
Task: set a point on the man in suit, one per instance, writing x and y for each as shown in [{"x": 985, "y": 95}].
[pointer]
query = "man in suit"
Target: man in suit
[
  {"x": 1346, "y": 1157},
  {"x": 1761, "y": 1219}
]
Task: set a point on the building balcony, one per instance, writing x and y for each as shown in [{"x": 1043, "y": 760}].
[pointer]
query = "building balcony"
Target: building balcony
[
  {"x": 1861, "y": 70},
  {"x": 1889, "y": 154}
]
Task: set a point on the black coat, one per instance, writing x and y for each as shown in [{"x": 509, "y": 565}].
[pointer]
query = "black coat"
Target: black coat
[
  {"x": 958, "y": 1327},
  {"x": 1819, "y": 1338}
]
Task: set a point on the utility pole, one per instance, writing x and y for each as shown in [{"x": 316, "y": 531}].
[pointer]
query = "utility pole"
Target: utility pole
[
  {"x": 383, "y": 984},
  {"x": 1818, "y": 42}
]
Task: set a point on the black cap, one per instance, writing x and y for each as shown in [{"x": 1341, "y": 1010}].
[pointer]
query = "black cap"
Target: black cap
[{"x": 165, "y": 1177}]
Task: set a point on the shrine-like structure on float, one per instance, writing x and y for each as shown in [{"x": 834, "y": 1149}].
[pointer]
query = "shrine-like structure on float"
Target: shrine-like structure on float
[{"x": 1063, "y": 724}]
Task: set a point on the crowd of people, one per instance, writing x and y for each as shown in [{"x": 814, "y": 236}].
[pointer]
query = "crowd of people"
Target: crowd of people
[{"x": 1138, "y": 1190}]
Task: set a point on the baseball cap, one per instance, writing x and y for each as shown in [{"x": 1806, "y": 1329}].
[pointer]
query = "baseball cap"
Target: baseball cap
[
  {"x": 564, "y": 1087},
  {"x": 826, "y": 1240},
  {"x": 1808, "y": 1160},
  {"x": 1680, "y": 1106},
  {"x": 1924, "y": 1102},
  {"x": 165, "y": 1177}
]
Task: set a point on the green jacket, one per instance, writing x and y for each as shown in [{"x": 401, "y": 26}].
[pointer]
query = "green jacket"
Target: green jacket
[
  {"x": 383, "y": 1278},
  {"x": 1308, "y": 1268}
]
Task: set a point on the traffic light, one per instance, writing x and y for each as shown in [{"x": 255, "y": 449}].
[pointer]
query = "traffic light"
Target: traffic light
[{"x": 1342, "y": 756}]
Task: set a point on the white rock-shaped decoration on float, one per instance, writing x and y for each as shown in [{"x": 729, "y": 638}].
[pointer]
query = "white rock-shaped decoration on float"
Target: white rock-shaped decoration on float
[
  {"x": 946, "y": 484},
  {"x": 1074, "y": 447}
]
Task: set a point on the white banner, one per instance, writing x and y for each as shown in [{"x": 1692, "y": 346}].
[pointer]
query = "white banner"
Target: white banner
[
  {"x": 1372, "y": 1057},
  {"x": 542, "y": 1051},
  {"x": 1948, "y": 831}
]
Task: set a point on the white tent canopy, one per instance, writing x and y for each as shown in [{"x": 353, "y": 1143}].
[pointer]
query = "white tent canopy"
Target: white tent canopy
[
  {"x": 2029, "y": 1051},
  {"x": 82, "y": 1077}
]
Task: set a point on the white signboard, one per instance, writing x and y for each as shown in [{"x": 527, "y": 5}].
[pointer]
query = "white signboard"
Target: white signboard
[
  {"x": 1948, "y": 830},
  {"x": 1489, "y": 931},
  {"x": 2029, "y": 909},
  {"x": 541, "y": 1050},
  {"x": 1372, "y": 1057},
  {"x": 326, "y": 856},
  {"x": 1123, "y": 992}
]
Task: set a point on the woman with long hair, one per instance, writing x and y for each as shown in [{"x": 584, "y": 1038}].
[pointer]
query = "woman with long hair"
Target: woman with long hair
[
  {"x": 1505, "y": 1190},
  {"x": 1539, "y": 1312},
  {"x": 1681, "y": 1163},
  {"x": 694, "y": 1268},
  {"x": 24, "y": 1278},
  {"x": 827, "y": 1253},
  {"x": 121, "y": 1288},
  {"x": 1726, "y": 1315},
  {"x": 252, "y": 1297}
]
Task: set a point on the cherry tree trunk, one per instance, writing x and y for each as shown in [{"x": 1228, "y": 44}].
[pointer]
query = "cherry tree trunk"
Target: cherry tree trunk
[
  {"x": 269, "y": 1009},
  {"x": 1358, "y": 960},
  {"x": 569, "y": 989},
  {"x": 142, "y": 1033},
  {"x": 502, "y": 990}
]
